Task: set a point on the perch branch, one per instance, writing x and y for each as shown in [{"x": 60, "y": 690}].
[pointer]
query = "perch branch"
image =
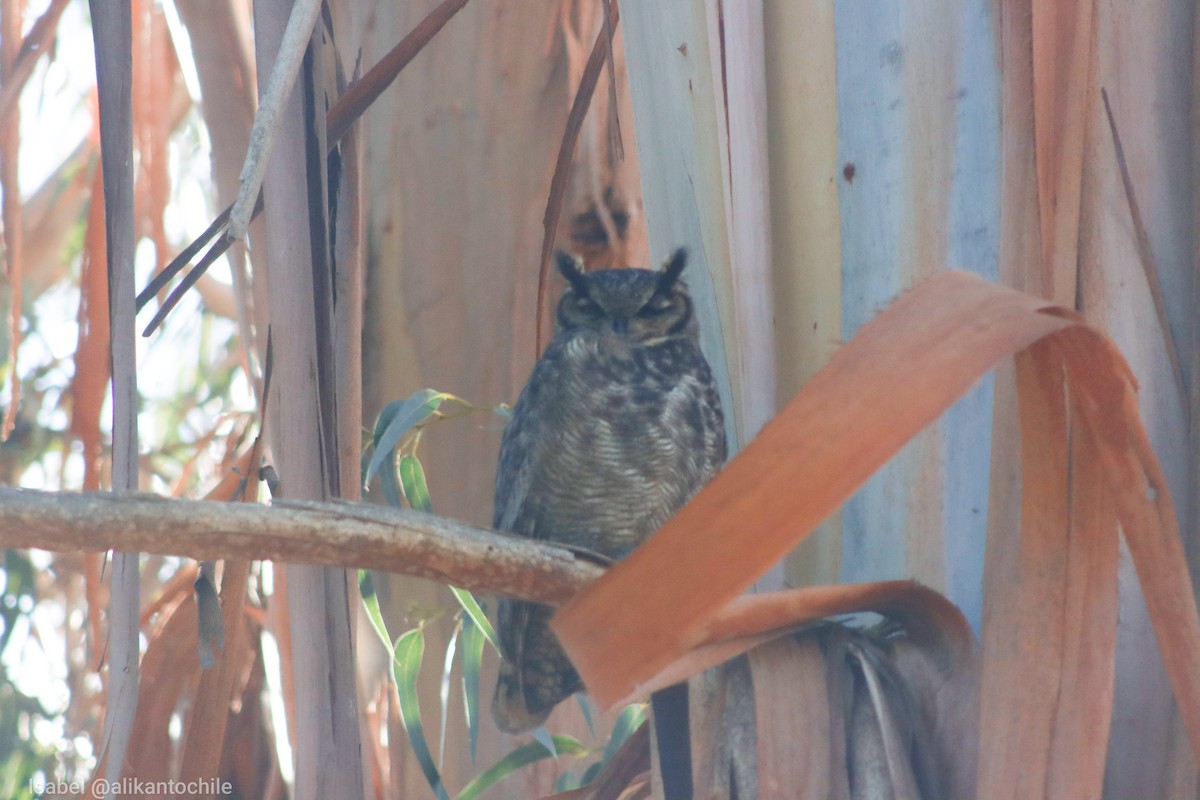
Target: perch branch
[{"x": 336, "y": 534}]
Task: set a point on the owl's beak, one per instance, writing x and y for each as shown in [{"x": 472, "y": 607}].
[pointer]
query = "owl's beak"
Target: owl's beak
[{"x": 620, "y": 324}]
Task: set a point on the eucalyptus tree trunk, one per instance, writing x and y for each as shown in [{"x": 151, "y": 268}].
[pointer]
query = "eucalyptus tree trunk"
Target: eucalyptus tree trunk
[
  {"x": 302, "y": 425},
  {"x": 461, "y": 152}
]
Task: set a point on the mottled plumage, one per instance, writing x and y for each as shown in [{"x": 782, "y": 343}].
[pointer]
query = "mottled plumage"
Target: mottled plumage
[{"x": 618, "y": 426}]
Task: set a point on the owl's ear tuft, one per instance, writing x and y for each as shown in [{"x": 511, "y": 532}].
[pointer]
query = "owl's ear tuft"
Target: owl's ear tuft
[
  {"x": 671, "y": 269},
  {"x": 572, "y": 269}
]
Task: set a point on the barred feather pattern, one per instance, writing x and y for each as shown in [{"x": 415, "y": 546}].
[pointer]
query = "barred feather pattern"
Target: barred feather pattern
[{"x": 618, "y": 426}]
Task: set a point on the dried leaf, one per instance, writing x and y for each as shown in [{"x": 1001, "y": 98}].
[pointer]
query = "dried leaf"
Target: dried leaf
[
  {"x": 829, "y": 439},
  {"x": 1050, "y": 648}
]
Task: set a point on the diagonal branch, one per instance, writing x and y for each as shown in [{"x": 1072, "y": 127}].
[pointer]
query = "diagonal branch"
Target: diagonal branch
[
  {"x": 348, "y": 108},
  {"x": 562, "y": 165},
  {"x": 342, "y": 534},
  {"x": 1145, "y": 252}
]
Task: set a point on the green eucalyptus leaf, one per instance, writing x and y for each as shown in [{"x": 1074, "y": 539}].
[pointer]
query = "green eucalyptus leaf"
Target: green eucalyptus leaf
[
  {"x": 18, "y": 583},
  {"x": 406, "y": 654},
  {"x": 396, "y": 419},
  {"x": 366, "y": 588},
  {"x": 590, "y": 773},
  {"x": 566, "y": 781},
  {"x": 475, "y": 612},
  {"x": 389, "y": 481},
  {"x": 472, "y": 662},
  {"x": 406, "y": 665},
  {"x": 444, "y": 690},
  {"x": 522, "y": 756},
  {"x": 412, "y": 481},
  {"x": 629, "y": 720},
  {"x": 585, "y": 708},
  {"x": 543, "y": 737}
]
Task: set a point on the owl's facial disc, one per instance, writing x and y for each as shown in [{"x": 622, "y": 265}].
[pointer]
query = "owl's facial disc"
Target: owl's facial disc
[{"x": 629, "y": 306}]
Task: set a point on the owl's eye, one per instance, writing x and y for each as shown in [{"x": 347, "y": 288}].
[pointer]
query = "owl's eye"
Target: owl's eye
[
  {"x": 656, "y": 307},
  {"x": 588, "y": 307}
]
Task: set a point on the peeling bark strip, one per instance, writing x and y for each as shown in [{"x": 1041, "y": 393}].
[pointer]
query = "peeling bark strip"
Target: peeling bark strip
[
  {"x": 112, "y": 35},
  {"x": 341, "y": 534}
]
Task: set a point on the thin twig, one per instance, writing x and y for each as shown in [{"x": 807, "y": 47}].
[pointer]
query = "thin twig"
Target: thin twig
[
  {"x": 362, "y": 93},
  {"x": 344, "y": 113},
  {"x": 566, "y": 151},
  {"x": 180, "y": 261},
  {"x": 1145, "y": 253}
]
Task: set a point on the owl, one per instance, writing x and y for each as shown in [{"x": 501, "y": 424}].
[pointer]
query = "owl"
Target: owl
[{"x": 619, "y": 425}]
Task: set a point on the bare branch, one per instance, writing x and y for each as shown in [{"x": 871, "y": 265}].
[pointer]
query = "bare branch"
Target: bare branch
[
  {"x": 266, "y": 122},
  {"x": 342, "y": 534}
]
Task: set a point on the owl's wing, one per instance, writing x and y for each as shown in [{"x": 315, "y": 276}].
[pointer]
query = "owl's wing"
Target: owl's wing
[
  {"x": 715, "y": 447},
  {"x": 513, "y": 476}
]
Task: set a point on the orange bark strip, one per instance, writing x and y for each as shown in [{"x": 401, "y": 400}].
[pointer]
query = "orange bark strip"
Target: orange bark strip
[
  {"x": 223, "y": 682},
  {"x": 220, "y": 684},
  {"x": 1026, "y": 651},
  {"x": 12, "y": 207},
  {"x": 1079, "y": 737},
  {"x": 895, "y": 377},
  {"x": 1063, "y": 82},
  {"x": 89, "y": 384},
  {"x": 179, "y": 585},
  {"x": 365, "y": 91},
  {"x": 169, "y": 670},
  {"x": 1145, "y": 510}
]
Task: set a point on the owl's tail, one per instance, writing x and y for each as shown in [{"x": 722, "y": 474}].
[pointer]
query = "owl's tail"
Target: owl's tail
[{"x": 535, "y": 673}]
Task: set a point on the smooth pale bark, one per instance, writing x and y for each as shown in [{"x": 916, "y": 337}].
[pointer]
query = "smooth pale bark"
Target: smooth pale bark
[
  {"x": 806, "y": 272},
  {"x": 300, "y": 426},
  {"x": 1136, "y": 59},
  {"x": 332, "y": 534}
]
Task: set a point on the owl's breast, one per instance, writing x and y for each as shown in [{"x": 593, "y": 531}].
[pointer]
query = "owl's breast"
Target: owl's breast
[{"x": 607, "y": 443}]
